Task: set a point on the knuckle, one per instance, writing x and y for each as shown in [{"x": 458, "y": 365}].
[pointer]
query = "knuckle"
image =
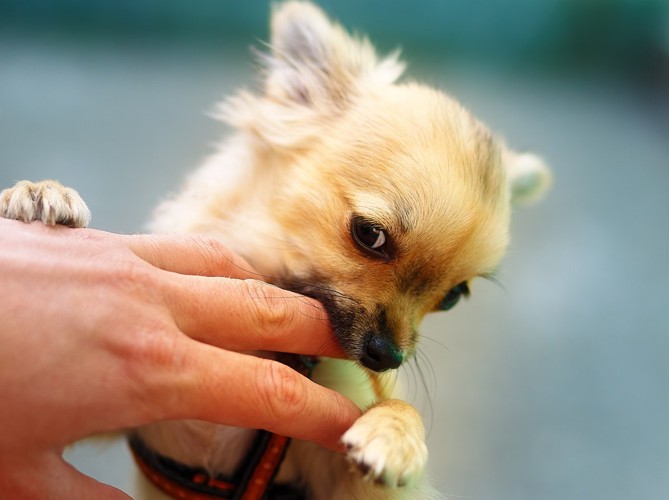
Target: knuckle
[
  {"x": 147, "y": 357},
  {"x": 214, "y": 254},
  {"x": 282, "y": 390},
  {"x": 132, "y": 298},
  {"x": 132, "y": 275},
  {"x": 271, "y": 313},
  {"x": 153, "y": 345},
  {"x": 147, "y": 343}
]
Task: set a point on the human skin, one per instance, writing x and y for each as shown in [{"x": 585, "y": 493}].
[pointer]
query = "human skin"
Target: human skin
[{"x": 102, "y": 332}]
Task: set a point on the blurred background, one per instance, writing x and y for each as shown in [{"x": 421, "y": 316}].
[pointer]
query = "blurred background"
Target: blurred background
[{"x": 554, "y": 385}]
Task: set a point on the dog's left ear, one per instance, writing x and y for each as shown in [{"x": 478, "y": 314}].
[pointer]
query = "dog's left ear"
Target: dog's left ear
[
  {"x": 315, "y": 63},
  {"x": 528, "y": 175}
]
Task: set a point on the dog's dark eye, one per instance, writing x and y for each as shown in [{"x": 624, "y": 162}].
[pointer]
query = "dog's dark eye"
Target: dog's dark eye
[
  {"x": 370, "y": 237},
  {"x": 453, "y": 296}
]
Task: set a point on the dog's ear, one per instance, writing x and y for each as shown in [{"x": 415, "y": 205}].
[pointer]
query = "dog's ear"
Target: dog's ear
[
  {"x": 314, "y": 62},
  {"x": 528, "y": 175}
]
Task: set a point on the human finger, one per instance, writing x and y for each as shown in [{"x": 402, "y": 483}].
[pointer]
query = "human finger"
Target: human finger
[
  {"x": 190, "y": 254},
  {"x": 246, "y": 391},
  {"x": 250, "y": 315}
]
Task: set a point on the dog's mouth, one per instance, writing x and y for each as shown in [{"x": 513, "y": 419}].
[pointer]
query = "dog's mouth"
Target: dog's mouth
[{"x": 365, "y": 336}]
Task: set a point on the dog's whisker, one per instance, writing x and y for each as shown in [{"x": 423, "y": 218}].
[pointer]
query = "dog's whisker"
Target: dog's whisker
[
  {"x": 431, "y": 372},
  {"x": 413, "y": 391},
  {"x": 493, "y": 277},
  {"x": 439, "y": 343},
  {"x": 421, "y": 375},
  {"x": 391, "y": 381}
]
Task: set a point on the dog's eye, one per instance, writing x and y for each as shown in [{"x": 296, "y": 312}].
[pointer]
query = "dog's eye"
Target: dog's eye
[
  {"x": 370, "y": 237},
  {"x": 453, "y": 296}
]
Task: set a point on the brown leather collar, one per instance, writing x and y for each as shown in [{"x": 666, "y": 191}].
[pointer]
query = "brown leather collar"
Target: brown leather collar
[{"x": 254, "y": 481}]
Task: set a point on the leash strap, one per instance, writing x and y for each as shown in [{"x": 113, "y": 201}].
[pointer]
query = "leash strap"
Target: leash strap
[{"x": 265, "y": 461}]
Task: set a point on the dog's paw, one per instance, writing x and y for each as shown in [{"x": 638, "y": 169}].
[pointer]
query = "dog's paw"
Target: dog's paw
[
  {"x": 387, "y": 444},
  {"x": 47, "y": 201}
]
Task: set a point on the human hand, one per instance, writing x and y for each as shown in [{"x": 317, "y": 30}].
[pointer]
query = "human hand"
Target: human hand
[{"x": 101, "y": 332}]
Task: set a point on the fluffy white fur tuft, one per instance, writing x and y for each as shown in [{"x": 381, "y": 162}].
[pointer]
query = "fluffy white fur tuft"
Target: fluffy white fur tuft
[{"x": 529, "y": 176}]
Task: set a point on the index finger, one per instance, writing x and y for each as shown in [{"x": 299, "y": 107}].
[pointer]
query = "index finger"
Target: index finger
[{"x": 244, "y": 315}]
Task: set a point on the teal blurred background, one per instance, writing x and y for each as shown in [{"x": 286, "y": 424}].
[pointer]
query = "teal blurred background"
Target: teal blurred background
[{"x": 552, "y": 386}]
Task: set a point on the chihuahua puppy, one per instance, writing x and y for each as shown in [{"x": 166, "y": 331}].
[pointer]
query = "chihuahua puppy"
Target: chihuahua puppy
[{"x": 382, "y": 200}]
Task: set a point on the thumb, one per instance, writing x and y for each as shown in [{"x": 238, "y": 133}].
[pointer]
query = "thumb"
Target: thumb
[{"x": 49, "y": 476}]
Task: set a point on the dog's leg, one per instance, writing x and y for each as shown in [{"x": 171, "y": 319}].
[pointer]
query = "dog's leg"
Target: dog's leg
[{"x": 48, "y": 201}]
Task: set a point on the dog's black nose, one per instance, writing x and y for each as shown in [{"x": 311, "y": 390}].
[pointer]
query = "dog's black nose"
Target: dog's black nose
[{"x": 380, "y": 353}]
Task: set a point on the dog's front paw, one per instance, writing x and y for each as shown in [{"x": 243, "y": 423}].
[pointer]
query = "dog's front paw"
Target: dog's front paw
[
  {"x": 47, "y": 201},
  {"x": 388, "y": 444}
]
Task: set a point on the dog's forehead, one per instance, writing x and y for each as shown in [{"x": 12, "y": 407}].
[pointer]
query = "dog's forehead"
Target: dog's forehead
[
  {"x": 432, "y": 175},
  {"x": 416, "y": 134},
  {"x": 425, "y": 163}
]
